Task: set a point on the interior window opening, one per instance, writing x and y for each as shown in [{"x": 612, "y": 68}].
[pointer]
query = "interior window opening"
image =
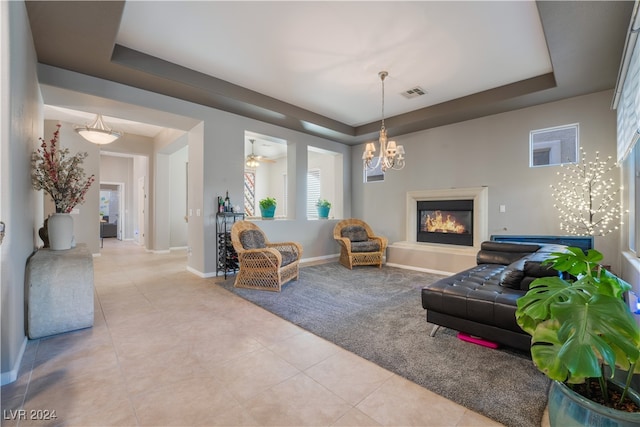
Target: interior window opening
[
  {"x": 325, "y": 176},
  {"x": 265, "y": 164}
]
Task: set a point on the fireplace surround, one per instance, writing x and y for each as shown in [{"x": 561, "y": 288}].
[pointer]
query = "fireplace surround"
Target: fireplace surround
[
  {"x": 477, "y": 197},
  {"x": 444, "y": 258}
]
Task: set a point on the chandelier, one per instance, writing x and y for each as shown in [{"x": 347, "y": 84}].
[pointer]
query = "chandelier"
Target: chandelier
[
  {"x": 98, "y": 132},
  {"x": 391, "y": 155}
]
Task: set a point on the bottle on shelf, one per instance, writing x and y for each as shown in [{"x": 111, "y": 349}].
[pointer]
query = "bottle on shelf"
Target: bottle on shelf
[
  {"x": 227, "y": 203},
  {"x": 220, "y": 204}
]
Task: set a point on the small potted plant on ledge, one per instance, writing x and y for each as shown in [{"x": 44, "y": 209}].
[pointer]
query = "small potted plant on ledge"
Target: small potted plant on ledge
[
  {"x": 323, "y": 206},
  {"x": 583, "y": 333},
  {"x": 268, "y": 207}
]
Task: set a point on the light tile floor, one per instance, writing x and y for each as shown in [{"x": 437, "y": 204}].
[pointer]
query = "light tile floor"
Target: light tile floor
[{"x": 169, "y": 348}]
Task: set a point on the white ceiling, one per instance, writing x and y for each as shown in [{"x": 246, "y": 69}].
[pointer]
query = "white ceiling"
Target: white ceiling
[
  {"x": 312, "y": 66},
  {"x": 325, "y": 56}
]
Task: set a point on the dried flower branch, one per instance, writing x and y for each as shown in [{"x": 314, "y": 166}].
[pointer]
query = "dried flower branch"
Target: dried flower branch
[{"x": 58, "y": 173}]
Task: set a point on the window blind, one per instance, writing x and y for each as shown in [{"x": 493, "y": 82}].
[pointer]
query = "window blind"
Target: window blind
[
  {"x": 628, "y": 109},
  {"x": 313, "y": 192}
]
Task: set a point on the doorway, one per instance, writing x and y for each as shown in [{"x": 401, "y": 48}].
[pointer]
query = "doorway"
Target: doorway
[{"x": 112, "y": 204}]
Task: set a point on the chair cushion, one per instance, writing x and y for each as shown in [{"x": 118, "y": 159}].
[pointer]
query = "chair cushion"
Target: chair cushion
[
  {"x": 288, "y": 257},
  {"x": 368, "y": 246},
  {"x": 252, "y": 239},
  {"x": 355, "y": 233}
]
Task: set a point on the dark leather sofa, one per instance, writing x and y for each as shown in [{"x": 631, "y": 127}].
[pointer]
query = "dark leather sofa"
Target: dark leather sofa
[{"x": 481, "y": 301}]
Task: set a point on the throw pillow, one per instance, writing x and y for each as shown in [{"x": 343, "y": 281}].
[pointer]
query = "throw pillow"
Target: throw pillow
[
  {"x": 355, "y": 233},
  {"x": 252, "y": 239},
  {"x": 513, "y": 274}
]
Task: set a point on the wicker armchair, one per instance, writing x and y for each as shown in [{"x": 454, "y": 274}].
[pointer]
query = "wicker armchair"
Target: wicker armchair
[
  {"x": 358, "y": 244},
  {"x": 263, "y": 265}
]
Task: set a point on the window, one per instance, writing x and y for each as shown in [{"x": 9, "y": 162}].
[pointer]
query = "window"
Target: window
[
  {"x": 325, "y": 180},
  {"x": 373, "y": 175},
  {"x": 633, "y": 181},
  {"x": 553, "y": 146},
  {"x": 265, "y": 164},
  {"x": 284, "y": 202},
  {"x": 313, "y": 192}
]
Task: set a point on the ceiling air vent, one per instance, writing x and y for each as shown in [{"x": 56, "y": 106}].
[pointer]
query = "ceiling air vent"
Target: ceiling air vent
[{"x": 414, "y": 92}]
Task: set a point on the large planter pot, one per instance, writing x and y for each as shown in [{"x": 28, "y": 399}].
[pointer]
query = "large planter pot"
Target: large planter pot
[
  {"x": 323, "y": 212},
  {"x": 568, "y": 408},
  {"x": 60, "y": 230},
  {"x": 268, "y": 212}
]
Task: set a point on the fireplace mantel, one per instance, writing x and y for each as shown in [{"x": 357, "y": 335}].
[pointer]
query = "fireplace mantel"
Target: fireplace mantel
[{"x": 443, "y": 258}]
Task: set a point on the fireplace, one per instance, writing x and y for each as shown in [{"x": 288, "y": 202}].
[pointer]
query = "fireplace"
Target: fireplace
[
  {"x": 452, "y": 202},
  {"x": 434, "y": 257},
  {"x": 445, "y": 221}
]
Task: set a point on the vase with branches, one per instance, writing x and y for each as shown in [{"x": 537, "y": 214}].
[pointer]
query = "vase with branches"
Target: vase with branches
[{"x": 60, "y": 174}]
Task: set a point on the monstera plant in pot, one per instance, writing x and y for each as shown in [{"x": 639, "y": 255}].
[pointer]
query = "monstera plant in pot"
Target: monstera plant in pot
[{"x": 583, "y": 333}]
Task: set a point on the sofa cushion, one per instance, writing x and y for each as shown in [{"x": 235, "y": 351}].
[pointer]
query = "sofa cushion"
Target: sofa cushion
[
  {"x": 503, "y": 252},
  {"x": 368, "y": 246},
  {"x": 534, "y": 266},
  {"x": 355, "y": 233},
  {"x": 252, "y": 239},
  {"x": 520, "y": 274}
]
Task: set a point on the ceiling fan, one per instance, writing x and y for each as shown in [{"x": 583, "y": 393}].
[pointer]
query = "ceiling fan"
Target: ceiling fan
[{"x": 253, "y": 161}]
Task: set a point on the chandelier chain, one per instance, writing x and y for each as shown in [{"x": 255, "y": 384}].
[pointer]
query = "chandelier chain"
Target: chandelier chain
[{"x": 383, "y": 74}]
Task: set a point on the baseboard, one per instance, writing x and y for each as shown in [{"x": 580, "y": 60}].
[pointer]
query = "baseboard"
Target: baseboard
[
  {"x": 319, "y": 259},
  {"x": 12, "y": 375},
  {"x": 178, "y": 248},
  {"x": 420, "y": 269},
  {"x": 200, "y": 273},
  {"x": 305, "y": 262}
]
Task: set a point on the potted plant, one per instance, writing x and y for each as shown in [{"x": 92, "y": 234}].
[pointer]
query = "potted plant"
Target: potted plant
[
  {"x": 268, "y": 207},
  {"x": 583, "y": 333},
  {"x": 323, "y": 206},
  {"x": 62, "y": 176}
]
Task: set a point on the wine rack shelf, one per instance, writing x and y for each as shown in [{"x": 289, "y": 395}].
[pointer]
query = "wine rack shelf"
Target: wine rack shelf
[{"x": 227, "y": 258}]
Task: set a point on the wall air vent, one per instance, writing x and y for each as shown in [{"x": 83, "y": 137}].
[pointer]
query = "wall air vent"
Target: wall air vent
[{"x": 414, "y": 92}]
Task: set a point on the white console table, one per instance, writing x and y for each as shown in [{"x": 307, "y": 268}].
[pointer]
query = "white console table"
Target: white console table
[{"x": 59, "y": 291}]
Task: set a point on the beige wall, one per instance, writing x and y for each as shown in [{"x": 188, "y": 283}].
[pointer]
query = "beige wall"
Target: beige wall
[
  {"x": 490, "y": 151},
  {"x": 21, "y": 126},
  {"x": 178, "y": 196}
]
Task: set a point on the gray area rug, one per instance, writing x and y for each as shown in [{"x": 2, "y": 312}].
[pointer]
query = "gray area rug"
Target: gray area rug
[{"x": 377, "y": 314}]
